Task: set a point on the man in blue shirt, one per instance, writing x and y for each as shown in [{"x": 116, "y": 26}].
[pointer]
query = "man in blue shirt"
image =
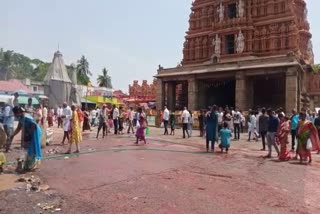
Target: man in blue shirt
[
  {"x": 273, "y": 124},
  {"x": 294, "y": 126}
]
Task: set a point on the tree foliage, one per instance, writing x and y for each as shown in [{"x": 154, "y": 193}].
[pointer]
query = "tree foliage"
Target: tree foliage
[
  {"x": 104, "y": 80},
  {"x": 316, "y": 68},
  {"x": 83, "y": 71},
  {"x": 15, "y": 65}
]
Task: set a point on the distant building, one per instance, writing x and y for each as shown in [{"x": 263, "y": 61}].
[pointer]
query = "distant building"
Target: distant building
[
  {"x": 144, "y": 91},
  {"x": 11, "y": 86},
  {"x": 36, "y": 87},
  {"x": 120, "y": 94}
]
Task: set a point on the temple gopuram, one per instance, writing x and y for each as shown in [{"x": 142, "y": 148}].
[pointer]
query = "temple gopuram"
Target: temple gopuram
[{"x": 244, "y": 53}]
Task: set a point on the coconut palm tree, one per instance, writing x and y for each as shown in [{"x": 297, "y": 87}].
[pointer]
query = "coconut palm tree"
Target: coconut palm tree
[
  {"x": 104, "y": 80},
  {"x": 83, "y": 71}
]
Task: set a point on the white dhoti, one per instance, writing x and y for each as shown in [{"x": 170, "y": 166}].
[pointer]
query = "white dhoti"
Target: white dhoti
[
  {"x": 66, "y": 125},
  {"x": 251, "y": 127}
]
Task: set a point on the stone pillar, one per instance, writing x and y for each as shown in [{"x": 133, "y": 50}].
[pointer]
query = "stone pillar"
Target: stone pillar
[
  {"x": 192, "y": 94},
  {"x": 160, "y": 94},
  {"x": 241, "y": 92},
  {"x": 171, "y": 96},
  {"x": 202, "y": 98},
  {"x": 292, "y": 98}
]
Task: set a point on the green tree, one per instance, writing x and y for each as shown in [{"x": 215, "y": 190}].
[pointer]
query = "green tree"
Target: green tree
[
  {"x": 83, "y": 71},
  {"x": 40, "y": 71},
  {"x": 104, "y": 80},
  {"x": 316, "y": 68},
  {"x": 7, "y": 65}
]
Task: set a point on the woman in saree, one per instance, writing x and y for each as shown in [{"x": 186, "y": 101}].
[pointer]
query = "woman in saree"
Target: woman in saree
[
  {"x": 282, "y": 138},
  {"x": 75, "y": 131},
  {"x": 86, "y": 120},
  {"x": 31, "y": 139},
  {"x": 50, "y": 117},
  {"x": 141, "y": 129},
  {"x": 306, "y": 132}
]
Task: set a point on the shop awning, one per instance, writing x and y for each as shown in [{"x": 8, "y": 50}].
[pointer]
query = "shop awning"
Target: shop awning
[
  {"x": 102, "y": 100},
  {"x": 24, "y": 100}
]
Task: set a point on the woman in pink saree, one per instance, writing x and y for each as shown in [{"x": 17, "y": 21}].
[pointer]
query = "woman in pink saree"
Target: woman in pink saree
[
  {"x": 306, "y": 131},
  {"x": 282, "y": 138},
  {"x": 140, "y": 134}
]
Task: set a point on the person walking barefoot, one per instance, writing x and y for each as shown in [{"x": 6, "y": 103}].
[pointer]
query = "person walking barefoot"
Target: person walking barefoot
[
  {"x": 211, "y": 128},
  {"x": 140, "y": 135},
  {"x": 75, "y": 136},
  {"x": 172, "y": 124}
]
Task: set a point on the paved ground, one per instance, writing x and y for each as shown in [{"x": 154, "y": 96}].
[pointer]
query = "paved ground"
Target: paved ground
[{"x": 168, "y": 175}]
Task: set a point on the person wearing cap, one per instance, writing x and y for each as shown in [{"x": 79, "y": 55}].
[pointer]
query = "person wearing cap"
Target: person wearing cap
[{"x": 31, "y": 139}]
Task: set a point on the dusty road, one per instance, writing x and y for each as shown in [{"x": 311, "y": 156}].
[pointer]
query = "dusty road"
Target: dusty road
[{"x": 168, "y": 175}]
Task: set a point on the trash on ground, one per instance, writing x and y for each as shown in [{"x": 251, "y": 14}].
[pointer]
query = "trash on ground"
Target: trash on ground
[{"x": 56, "y": 150}]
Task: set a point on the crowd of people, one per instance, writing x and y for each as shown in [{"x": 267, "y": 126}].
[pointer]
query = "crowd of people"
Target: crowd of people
[
  {"x": 218, "y": 125},
  {"x": 33, "y": 122}
]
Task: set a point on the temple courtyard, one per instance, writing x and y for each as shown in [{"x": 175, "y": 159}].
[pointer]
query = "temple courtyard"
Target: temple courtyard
[{"x": 168, "y": 175}]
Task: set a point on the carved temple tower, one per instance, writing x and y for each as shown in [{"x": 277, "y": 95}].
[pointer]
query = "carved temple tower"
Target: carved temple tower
[{"x": 245, "y": 53}]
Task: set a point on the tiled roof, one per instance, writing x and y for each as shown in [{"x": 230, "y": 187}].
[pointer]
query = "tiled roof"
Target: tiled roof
[
  {"x": 13, "y": 85},
  {"x": 119, "y": 93}
]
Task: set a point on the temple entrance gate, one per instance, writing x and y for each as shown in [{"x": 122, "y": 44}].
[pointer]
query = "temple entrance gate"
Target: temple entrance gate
[
  {"x": 269, "y": 91},
  {"x": 217, "y": 92}
]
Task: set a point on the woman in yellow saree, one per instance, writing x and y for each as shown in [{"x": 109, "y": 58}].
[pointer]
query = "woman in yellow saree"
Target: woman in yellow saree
[
  {"x": 75, "y": 132},
  {"x": 307, "y": 132}
]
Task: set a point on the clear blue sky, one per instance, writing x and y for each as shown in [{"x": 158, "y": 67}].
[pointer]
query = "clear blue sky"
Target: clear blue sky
[{"x": 129, "y": 37}]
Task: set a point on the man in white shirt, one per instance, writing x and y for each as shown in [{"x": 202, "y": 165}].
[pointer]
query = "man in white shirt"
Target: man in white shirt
[
  {"x": 236, "y": 123},
  {"x": 16, "y": 99},
  {"x": 66, "y": 116},
  {"x": 220, "y": 119},
  {"x": 166, "y": 115},
  {"x": 44, "y": 115},
  {"x": 59, "y": 114},
  {"x": 93, "y": 117},
  {"x": 185, "y": 120},
  {"x": 29, "y": 107},
  {"x": 115, "y": 117},
  {"x": 131, "y": 114},
  {"x": 8, "y": 120}
]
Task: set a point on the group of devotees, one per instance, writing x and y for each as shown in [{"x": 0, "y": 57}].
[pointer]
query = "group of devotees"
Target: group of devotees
[
  {"x": 273, "y": 127},
  {"x": 216, "y": 126},
  {"x": 32, "y": 124}
]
